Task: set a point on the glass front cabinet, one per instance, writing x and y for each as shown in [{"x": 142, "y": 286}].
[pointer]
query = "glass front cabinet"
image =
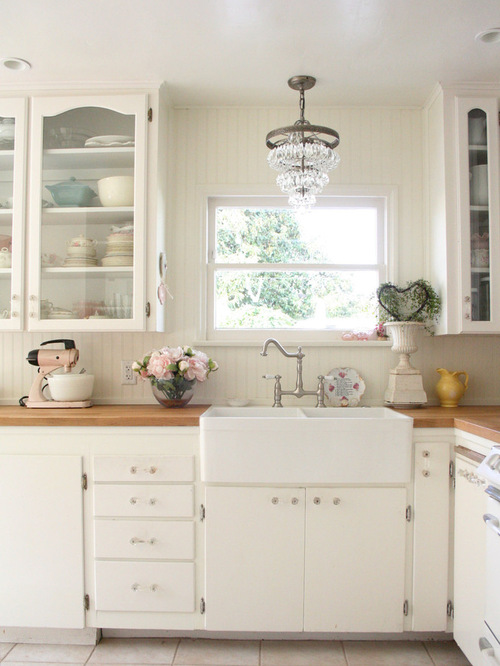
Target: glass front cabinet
[
  {"x": 87, "y": 214},
  {"x": 479, "y": 184},
  {"x": 12, "y": 202}
]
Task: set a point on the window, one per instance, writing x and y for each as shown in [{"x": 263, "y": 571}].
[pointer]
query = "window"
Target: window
[{"x": 273, "y": 269}]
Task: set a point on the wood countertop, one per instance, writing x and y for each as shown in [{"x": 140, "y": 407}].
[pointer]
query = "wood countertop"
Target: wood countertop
[
  {"x": 480, "y": 421},
  {"x": 103, "y": 415}
]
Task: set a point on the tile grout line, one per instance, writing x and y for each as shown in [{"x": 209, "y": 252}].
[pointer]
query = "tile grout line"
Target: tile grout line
[
  {"x": 429, "y": 654},
  {"x": 344, "y": 653},
  {"x": 7, "y": 654},
  {"x": 176, "y": 650},
  {"x": 91, "y": 653}
]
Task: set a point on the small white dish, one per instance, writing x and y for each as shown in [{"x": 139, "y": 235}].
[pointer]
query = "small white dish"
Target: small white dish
[{"x": 237, "y": 402}]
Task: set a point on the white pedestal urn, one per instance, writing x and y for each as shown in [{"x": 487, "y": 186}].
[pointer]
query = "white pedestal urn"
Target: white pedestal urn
[{"x": 405, "y": 389}]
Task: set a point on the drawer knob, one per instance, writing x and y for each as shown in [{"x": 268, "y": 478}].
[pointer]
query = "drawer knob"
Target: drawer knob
[
  {"x": 336, "y": 501},
  {"x": 135, "y": 540},
  {"x": 295, "y": 500},
  {"x": 275, "y": 500},
  {"x": 135, "y": 500},
  {"x": 144, "y": 588},
  {"x": 317, "y": 500},
  {"x": 148, "y": 470}
]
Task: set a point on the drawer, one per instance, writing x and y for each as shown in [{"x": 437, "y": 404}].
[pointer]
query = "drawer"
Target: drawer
[
  {"x": 153, "y": 468},
  {"x": 145, "y": 586},
  {"x": 145, "y": 501},
  {"x": 144, "y": 539}
]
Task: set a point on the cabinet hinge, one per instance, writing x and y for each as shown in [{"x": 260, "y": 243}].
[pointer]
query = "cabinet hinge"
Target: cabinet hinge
[
  {"x": 85, "y": 483},
  {"x": 150, "y": 115},
  {"x": 86, "y": 602},
  {"x": 148, "y": 309},
  {"x": 202, "y": 512},
  {"x": 451, "y": 469},
  {"x": 408, "y": 513},
  {"x": 405, "y": 608},
  {"x": 202, "y": 605},
  {"x": 449, "y": 609}
]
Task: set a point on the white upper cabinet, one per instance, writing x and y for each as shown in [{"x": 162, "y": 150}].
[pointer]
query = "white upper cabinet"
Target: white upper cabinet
[
  {"x": 87, "y": 243},
  {"x": 94, "y": 215},
  {"x": 463, "y": 202},
  {"x": 12, "y": 203}
]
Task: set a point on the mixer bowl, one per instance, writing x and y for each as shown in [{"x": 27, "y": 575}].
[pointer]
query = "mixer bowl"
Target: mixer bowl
[{"x": 70, "y": 388}]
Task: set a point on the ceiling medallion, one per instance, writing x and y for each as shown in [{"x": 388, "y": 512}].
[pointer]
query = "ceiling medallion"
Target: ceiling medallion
[{"x": 302, "y": 153}]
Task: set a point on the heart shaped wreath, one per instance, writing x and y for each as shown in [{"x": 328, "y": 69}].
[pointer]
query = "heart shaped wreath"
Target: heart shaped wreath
[{"x": 416, "y": 301}]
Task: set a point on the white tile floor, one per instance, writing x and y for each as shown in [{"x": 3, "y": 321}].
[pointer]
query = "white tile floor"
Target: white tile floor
[{"x": 203, "y": 652}]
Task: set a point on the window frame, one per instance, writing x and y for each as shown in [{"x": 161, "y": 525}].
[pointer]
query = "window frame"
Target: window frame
[{"x": 383, "y": 198}]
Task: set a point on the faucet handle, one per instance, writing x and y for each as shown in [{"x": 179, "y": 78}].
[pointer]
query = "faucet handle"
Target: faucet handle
[{"x": 271, "y": 376}]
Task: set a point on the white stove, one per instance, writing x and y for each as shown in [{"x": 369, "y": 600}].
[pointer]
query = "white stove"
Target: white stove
[{"x": 489, "y": 644}]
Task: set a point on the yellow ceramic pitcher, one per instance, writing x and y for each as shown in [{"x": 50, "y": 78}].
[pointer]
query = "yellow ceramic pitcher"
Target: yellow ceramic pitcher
[{"x": 449, "y": 388}]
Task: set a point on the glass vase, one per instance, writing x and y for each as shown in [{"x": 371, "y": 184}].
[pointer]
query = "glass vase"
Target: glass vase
[{"x": 170, "y": 394}]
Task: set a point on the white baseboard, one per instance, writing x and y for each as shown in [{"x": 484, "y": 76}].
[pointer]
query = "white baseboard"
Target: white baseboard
[{"x": 50, "y": 636}]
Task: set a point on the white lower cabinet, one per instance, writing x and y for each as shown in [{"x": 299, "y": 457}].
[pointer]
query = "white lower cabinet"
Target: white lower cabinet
[
  {"x": 41, "y": 559},
  {"x": 144, "y": 534},
  {"x": 254, "y": 566},
  {"x": 315, "y": 559},
  {"x": 355, "y": 559},
  {"x": 470, "y": 559}
]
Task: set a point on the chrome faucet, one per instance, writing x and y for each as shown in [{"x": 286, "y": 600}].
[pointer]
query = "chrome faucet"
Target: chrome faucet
[{"x": 298, "y": 391}]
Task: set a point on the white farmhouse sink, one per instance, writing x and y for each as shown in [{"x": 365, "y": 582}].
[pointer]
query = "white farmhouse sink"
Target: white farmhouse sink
[{"x": 305, "y": 445}]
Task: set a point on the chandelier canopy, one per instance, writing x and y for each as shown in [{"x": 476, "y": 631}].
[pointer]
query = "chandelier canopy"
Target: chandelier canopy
[{"x": 302, "y": 153}]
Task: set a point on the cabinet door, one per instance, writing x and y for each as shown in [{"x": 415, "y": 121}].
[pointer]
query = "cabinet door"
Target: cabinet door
[
  {"x": 431, "y": 536},
  {"x": 470, "y": 558},
  {"x": 254, "y": 559},
  {"x": 41, "y": 559},
  {"x": 479, "y": 208},
  {"x": 355, "y": 559},
  {"x": 12, "y": 197},
  {"x": 88, "y": 213}
]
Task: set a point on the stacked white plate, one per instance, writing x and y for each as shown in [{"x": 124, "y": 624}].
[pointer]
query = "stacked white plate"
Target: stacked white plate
[
  {"x": 119, "y": 250},
  {"x": 110, "y": 141},
  {"x": 80, "y": 256}
]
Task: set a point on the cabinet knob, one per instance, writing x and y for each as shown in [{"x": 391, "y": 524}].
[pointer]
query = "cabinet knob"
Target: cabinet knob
[
  {"x": 317, "y": 500},
  {"x": 275, "y": 500},
  {"x": 467, "y": 315},
  {"x": 467, "y": 299},
  {"x": 135, "y": 540},
  {"x": 336, "y": 501},
  {"x": 295, "y": 500},
  {"x": 144, "y": 588},
  {"x": 425, "y": 472}
]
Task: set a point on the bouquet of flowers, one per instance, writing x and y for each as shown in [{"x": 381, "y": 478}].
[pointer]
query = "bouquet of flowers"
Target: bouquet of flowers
[{"x": 174, "y": 371}]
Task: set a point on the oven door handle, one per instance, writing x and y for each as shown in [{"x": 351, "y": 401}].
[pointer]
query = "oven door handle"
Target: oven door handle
[
  {"x": 487, "y": 653},
  {"x": 492, "y": 522}
]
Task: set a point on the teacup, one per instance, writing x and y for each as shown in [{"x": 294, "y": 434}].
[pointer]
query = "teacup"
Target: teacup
[
  {"x": 5, "y": 242},
  {"x": 5, "y": 258},
  {"x": 81, "y": 241}
]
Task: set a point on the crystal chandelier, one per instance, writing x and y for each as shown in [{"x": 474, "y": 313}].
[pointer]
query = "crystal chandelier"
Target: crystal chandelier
[{"x": 302, "y": 153}]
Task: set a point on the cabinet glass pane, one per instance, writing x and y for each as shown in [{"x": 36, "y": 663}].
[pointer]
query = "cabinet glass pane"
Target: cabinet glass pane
[
  {"x": 479, "y": 216},
  {"x": 7, "y": 129},
  {"x": 87, "y": 231}
]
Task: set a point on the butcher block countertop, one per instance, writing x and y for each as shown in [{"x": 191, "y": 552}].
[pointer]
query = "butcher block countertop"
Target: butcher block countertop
[
  {"x": 103, "y": 415},
  {"x": 480, "y": 421}
]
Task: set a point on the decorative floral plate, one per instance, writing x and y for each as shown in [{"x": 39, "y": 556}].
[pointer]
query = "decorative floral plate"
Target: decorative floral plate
[{"x": 345, "y": 387}]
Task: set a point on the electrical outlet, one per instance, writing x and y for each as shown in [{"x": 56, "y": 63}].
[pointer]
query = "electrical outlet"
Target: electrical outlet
[{"x": 128, "y": 375}]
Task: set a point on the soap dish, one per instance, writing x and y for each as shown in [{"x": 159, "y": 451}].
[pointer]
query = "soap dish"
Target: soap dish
[{"x": 237, "y": 402}]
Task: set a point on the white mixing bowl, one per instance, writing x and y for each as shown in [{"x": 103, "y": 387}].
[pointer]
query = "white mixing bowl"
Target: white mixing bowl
[
  {"x": 69, "y": 387},
  {"x": 116, "y": 191}
]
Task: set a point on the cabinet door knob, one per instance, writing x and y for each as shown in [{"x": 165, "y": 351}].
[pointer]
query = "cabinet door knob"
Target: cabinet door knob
[
  {"x": 275, "y": 500},
  {"x": 317, "y": 500},
  {"x": 425, "y": 472},
  {"x": 295, "y": 500},
  {"x": 336, "y": 501}
]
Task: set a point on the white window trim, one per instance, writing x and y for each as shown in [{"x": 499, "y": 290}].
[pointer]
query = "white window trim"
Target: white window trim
[{"x": 209, "y": 335}]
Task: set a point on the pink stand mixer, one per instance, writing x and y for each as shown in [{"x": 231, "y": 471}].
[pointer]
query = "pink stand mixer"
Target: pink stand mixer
[{"x": 49, "y": 360}]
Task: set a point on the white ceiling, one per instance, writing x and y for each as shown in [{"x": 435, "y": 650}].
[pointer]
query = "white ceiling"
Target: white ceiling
[{"x": 242, "y": 52}]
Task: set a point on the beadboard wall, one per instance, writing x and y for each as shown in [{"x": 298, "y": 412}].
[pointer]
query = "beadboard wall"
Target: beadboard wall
[{"x": 222, "y": 151}]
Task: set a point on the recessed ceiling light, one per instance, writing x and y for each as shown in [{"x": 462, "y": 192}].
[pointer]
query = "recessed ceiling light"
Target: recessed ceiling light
[
  {"x": 489, "y": 36},
  {"x": 16, "y": 64}
]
